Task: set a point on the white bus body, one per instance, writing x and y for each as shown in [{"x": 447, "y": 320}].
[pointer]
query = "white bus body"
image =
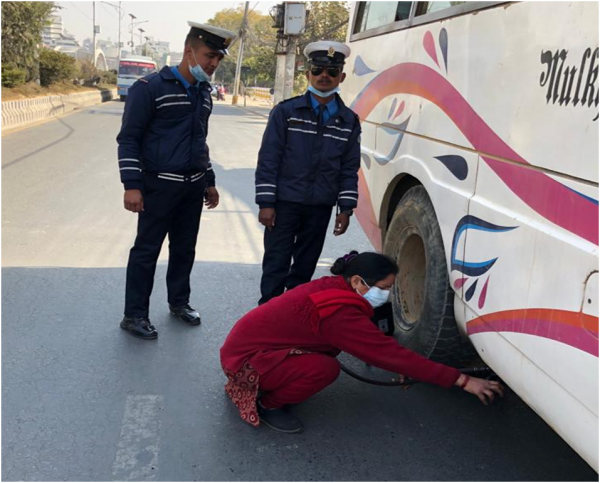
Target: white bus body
[{"x": 131, "y": 69}]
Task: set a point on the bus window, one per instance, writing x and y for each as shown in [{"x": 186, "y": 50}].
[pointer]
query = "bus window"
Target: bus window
[
  {"x": 135, "y": 69},
  {"x": 431, "y": 7},
  {"x": 130, "y": 70},
  {"x": 403, "y": 10},
  {"x": 377, "y": 14}
]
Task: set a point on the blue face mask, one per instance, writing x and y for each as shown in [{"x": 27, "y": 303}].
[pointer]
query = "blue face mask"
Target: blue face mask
[
  {"x": 323, "y": 94},
  {"x": 376, "y": 296},
  {"x": 198, "y": 72}
]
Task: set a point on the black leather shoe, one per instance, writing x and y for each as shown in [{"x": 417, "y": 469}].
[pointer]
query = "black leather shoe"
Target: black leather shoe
[
  {"x": 186, "y": 314},
  {"x": 139, "y": 327},
  {"x": 279, "y": 420}
]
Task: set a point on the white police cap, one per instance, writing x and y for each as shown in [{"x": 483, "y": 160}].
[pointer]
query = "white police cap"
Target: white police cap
[
  {"x": 215, "y": 37},
  {"x": 327, "y": 52}
]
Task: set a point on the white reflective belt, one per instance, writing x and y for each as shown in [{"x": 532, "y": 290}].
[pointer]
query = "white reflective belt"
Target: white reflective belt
[
  {"x": 302, "y": 130},
  {"x": 169, "y": 95},
  {"x": 335, "y": 137}
]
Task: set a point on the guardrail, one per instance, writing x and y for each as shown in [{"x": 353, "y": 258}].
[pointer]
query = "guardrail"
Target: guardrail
[
  {"x": 24, "y": 111},
  {"x": 259, "y": 93}
]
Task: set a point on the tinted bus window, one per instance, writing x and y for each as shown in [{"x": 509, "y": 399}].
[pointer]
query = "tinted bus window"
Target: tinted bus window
[{"x": 376, "y": 14}]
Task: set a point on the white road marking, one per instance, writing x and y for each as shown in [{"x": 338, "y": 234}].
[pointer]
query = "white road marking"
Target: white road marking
[{"x": 137, "y": 453}]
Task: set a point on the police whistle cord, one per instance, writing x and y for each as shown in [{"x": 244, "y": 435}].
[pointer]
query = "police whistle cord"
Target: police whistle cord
[{"x": 483, "y": 372}]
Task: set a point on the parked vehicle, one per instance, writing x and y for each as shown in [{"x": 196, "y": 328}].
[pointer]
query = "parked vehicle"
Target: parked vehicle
[{"x": 131, "y": 69}]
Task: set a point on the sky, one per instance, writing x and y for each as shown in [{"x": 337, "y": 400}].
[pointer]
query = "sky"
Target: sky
[{"x": 166, "y": 20}]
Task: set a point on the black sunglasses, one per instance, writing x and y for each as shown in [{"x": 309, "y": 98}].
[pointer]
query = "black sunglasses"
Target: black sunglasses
[{"x": 331, "y": 71}]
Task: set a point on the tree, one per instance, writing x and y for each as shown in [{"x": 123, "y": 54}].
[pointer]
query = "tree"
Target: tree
[
  {"x": 259, "y": 47},
  {"x": 22, "y": 25},
  {"x": 326, "y": 20}
]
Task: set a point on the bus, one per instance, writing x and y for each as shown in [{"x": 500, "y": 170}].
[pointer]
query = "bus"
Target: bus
[
  {"x": 479, "y": 176},
  {"x": 131, "y": 69}
]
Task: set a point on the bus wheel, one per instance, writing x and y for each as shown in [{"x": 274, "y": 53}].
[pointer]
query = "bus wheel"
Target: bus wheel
[
  {"x": 122, "y": 98},
  {"x": 423, "y": 300}
]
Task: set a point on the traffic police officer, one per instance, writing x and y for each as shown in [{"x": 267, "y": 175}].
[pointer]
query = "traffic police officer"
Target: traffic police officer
[
  {"x": 166, "y": 171},
  {"x": 308, "y": 162}
]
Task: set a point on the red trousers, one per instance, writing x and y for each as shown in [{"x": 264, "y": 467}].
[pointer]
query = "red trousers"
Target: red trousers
[{"x": 297, "y": 378}]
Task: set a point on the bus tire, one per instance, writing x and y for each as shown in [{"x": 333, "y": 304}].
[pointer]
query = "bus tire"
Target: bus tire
[
  {"x": 122, "y": 98},
  {"x": 422, "y": 299}
]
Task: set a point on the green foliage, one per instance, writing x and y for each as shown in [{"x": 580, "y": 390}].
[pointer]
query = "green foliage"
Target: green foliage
[
  {"x": 22, "y": 25},
  {"x": 327, "y": 20},
  {"x": 12, "y": 76},
  {"x": 259, "y": 48},
  {"x": 108, "y": 77},
  {"x": 55, "y": 67}
]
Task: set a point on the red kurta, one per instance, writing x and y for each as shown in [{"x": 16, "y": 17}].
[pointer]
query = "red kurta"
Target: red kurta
[{"x": 268, "y": 334}]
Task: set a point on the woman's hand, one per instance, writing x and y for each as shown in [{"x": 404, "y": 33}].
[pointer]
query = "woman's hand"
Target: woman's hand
[
  {"x": 485, "y": 390},
  {"x": 401, "y": 379}
]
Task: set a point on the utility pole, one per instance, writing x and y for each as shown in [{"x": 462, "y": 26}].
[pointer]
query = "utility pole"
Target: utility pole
[
  {"x": 238, "y": 67},
  {"x": 290, "y": 67},
  {"x": 290, "y": 21},
  {"x": 286, "y": 66},
  {"x": 119, "y": 41},
  {"x": 94, "y": 36},
  {"x": 279, "y": 76}
]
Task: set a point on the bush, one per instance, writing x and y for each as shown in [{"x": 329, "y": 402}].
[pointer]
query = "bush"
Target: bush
[
  {"x": 13, "y": 76},
  {"x": 55, "y": 67},
  {"x": 88, "y": 74},
  {"x": 108, "y": 77}
]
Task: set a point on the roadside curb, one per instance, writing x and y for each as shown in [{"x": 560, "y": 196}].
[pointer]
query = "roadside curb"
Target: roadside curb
[{"x": 249, "y": 109}]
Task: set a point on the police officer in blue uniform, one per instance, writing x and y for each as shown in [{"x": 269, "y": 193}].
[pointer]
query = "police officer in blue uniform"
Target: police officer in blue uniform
[
  {"x": 166, "y": 171},
  {"x": 307, "y": 164}
]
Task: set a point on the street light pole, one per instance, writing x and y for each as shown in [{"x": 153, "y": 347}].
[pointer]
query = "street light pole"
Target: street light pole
[
  {"x": 148, "y": 47},
  {"x": 141, "y": 32},
  {"x": 133, "y": 17},
  {"x": 120, "y": 10}
]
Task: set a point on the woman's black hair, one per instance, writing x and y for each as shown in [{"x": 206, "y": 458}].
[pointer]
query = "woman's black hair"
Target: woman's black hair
[{"x": 371, "y": 267}]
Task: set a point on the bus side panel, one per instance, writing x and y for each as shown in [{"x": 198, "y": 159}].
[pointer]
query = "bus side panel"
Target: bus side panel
[
  {"x": 518, "y": 82},
  {"x": 526, "y": 280},
  {"x": 447, "y": 173}
]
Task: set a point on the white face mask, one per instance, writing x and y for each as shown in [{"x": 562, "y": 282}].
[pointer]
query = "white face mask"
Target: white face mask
[
  {"x": 198, "y": 72},
  {"x": 375, "y": 296},
  {"x": 319, "y": 93}
]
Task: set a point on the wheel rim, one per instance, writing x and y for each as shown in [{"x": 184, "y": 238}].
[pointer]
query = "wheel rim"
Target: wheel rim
[{"x": 410, "y": 282}]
